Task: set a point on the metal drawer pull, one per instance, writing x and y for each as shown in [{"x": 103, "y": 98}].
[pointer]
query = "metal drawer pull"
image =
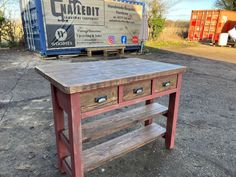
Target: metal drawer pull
[
  {"x": 101, "y": 99},
  {"x": 166, "y": 84},
  {"x": 138, "y": 90}
]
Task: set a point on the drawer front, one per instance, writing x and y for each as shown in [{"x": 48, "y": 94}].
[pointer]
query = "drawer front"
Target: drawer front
[
  {"x": 166, "y": 83},
  {"x": 98, "y": 99},
  {"x": 136, "y": 90}
]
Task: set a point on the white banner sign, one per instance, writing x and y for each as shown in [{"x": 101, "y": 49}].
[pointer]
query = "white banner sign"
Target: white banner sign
[{"x": 91, "y": 23}]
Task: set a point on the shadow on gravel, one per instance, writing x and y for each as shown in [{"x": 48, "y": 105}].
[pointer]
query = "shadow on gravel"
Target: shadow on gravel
[{"x": 205, "y": 144}]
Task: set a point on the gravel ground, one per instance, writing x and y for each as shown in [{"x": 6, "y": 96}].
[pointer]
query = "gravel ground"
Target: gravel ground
[
  {"x": 206, "y": 132},
  {"x": 226, "y": 54}
]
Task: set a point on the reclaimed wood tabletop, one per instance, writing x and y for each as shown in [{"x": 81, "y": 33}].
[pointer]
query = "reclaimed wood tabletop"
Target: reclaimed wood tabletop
[{"x": 84, "y": 76}]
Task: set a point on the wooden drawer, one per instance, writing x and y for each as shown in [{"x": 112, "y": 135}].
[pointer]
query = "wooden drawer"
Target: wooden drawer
[
  {"x": 136, "y": 90},
  {"x": 98, "y": 99},
  {"x": 166, "y": 83}
]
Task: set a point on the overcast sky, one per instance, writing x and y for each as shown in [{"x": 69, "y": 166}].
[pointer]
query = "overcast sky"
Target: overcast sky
[{"x": 176, "y": 11}]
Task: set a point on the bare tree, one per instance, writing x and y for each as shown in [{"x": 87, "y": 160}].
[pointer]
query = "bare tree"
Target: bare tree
[
  {"x": 156, "y": 12},
  {"x": 226, "y": 4},
  {"x": 166, "y": 4},
  {"x": 9, "y": 31},
  {"x": 156, "y": 21},
  {"x": 3, "y": 4},
  {"x": 10, "y": 28},
  {"x": 2, "y": 21}
]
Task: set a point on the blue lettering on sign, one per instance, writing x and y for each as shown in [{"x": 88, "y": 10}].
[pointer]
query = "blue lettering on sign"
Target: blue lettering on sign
[{"x": 123, "y": 39}]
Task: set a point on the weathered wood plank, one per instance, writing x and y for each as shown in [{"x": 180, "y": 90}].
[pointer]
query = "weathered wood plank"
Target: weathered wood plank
[
  {"x": 106, "y": 53},
  {"x": 89, "y": 53},
  {"x": 137, "y": 90},
  {"x": 78, "y": 77},
  {"x": 166, "y": 83},
  {"x": 111, "y": 124},
  {"x": 105, "y": 48},
  {"x": 110, "y": 150},
  {"x": 88, "y": 99},
  {"x": 127, "y": 103}
]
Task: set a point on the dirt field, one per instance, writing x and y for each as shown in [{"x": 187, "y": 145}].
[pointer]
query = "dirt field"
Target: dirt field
[
  {"x": 227, "y": 54},
  {"x": 206, "y": 132}
]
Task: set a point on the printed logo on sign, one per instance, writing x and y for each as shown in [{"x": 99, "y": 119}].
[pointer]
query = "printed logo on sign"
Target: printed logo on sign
[
  {"x": 135, "y": 39},
  {"x": 60, "y": 36},
  {"x": 123, "y": 39},
  {"x": 73, "y": 9},
  {"x": 111, "y": 40}
]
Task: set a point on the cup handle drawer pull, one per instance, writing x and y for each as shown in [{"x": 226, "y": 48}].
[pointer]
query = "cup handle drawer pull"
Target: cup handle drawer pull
[
  {"x": 138, "y": 90},
  {"x": 166, "y": 84},
  {"x": 101, "y": 99}
]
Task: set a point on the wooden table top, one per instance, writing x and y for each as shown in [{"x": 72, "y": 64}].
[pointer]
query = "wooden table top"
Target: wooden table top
[{"x": 83, "y": 76}]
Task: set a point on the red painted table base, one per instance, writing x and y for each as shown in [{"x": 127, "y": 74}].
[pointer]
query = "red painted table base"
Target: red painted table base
[{"x": 70, "y": 104}]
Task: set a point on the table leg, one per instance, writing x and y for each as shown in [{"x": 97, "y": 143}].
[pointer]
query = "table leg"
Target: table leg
[
  {"x": 150, "y": 120},
  {"x": 59, "y": 126},
  {"x": 75, "y": 135},
  {"x": 172, "y": 115}
]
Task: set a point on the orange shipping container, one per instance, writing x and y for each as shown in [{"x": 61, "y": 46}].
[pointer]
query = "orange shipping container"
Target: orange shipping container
[{"x": 206, "y": 25}]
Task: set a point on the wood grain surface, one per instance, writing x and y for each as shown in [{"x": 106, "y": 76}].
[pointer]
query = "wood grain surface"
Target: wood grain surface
[
  {"x": 110, "y": 150},
  {"x": 78, "y": 77},
  {"x": 111, "y": 124},
  {"x": 160, "y": 86},
  {"x": 104, "y": 48},
  {"x": 88, "y": 99},
  {"x": 129, "y": 94}
]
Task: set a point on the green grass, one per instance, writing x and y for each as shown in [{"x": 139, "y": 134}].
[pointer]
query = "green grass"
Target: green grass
[
  {"x": 3, "y": 45},
  {"x": 9, "y": 44},
  {"x": 165, "y": 44}
]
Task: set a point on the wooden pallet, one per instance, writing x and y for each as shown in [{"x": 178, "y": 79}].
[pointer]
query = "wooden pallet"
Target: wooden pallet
[{"x": 118, "y": 50}]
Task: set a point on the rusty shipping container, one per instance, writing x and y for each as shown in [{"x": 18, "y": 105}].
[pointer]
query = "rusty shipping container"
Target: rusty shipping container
[{"x": 207, "y": 25}]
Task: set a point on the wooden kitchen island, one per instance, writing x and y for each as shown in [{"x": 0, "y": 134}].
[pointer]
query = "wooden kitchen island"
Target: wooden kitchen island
[{"x": 83, "y": 90}]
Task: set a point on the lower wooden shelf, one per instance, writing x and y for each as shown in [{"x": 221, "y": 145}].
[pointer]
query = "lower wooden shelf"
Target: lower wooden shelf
[
  {"x": 111, "y": 124},
  {"x": 110, "y": 150}
]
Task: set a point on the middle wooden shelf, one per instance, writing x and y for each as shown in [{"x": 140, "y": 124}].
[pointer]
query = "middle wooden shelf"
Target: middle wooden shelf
[{"x": 111, "y": 124}]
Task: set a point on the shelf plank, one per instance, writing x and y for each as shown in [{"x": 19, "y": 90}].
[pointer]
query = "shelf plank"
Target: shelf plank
[
  {"x": 110, "y": 150},
  {"x": 111, "y": 124}
]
